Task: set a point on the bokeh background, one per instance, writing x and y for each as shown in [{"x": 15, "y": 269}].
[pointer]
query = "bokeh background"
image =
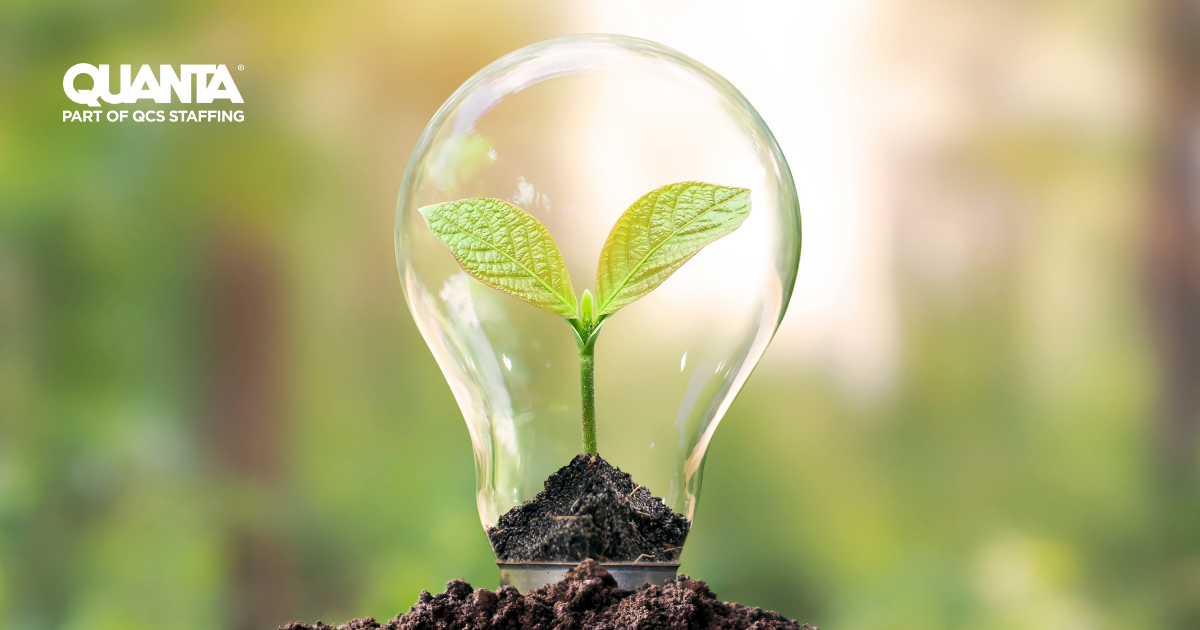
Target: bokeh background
[{"x": 980, "y": 412}]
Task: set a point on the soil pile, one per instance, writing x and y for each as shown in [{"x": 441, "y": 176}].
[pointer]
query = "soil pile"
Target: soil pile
[
  {"x": 587, "y": 599},
  {"x": 590, "y": 509}
]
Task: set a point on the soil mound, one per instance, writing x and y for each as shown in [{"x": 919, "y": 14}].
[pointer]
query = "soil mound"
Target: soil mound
[
  {"x": 590, "y": 509},
  {"x": 587, "y": 599}
]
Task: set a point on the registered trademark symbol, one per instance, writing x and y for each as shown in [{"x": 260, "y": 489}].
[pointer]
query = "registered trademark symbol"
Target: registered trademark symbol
[{"x": 241, "y": 67}]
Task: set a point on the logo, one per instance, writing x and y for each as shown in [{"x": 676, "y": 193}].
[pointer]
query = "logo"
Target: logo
[
  {"x": 211, "y": 81},
  {"x": 146, "y": 86}
]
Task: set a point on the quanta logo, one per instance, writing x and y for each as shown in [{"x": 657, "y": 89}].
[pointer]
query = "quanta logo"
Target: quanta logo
[{"x": 146, "y": 85}]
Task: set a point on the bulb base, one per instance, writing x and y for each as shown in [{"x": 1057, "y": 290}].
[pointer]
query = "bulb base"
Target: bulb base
[{"x": 629, "y": 575}]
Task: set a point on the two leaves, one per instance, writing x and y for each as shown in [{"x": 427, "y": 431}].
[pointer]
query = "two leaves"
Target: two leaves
[{"x": 507, "y": 249}]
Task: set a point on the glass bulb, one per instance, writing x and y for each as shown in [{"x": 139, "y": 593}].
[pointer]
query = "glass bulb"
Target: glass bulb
[{"x": 574, "y": 130}]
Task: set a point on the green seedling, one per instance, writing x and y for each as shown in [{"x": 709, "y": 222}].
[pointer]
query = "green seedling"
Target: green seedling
[{"x": 507, "y": 249}]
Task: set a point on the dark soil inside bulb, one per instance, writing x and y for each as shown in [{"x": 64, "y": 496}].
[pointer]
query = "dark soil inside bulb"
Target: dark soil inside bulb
[
  {"x": 587, "y": 598},
  {"x": 590, "y": 509}
]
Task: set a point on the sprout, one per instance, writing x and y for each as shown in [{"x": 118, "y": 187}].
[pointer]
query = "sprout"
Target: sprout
[{"x": 507, "y": 249}]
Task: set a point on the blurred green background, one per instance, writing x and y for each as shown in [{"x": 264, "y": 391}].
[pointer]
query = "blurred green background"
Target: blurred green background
[{"x": 981, "y": 411}]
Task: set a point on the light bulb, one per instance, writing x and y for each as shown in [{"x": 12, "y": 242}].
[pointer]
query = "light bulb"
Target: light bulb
[{"x": 573, "y": 131}]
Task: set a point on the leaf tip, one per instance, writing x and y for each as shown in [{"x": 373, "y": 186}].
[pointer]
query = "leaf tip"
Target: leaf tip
[
  {"x": 426, "y": 210},
  {"x": 741, "y": 193}
]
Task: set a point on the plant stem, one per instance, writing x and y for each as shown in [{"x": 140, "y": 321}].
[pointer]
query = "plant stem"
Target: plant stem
[{"x": 587, "y": 380}]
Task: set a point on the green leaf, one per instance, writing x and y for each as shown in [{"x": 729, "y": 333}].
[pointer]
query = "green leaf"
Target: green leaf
[
  {"x": 505, "y": 248},
  {"x": 659, "y": 233}
]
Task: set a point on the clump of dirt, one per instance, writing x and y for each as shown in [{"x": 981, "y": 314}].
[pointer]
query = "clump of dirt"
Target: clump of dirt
[
  {"x": 586, "y": 599},
  {"x": 590, "y": 509}
]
